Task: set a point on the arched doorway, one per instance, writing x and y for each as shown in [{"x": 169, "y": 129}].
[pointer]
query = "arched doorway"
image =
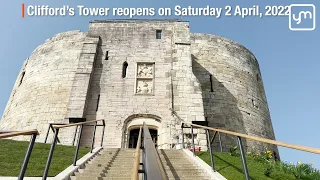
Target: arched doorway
[
  {"x": 132, "y": 125},
  {"x": 134, "y": 133}
]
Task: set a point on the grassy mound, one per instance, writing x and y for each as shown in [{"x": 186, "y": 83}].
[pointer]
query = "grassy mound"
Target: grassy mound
[
  {"x": 259, "y": 167},
  {"x": 12, "y": 154}
]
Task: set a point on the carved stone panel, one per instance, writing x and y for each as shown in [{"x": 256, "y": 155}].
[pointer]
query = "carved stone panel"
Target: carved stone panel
[
  {"x": 145, "y": 78},
  {"x": 144, "y": 86},
  {"x": 145, "y": 70}
]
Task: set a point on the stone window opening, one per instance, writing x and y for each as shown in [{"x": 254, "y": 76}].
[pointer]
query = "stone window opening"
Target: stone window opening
[
  {"x": 98, "y": 101},
  {"x": 254, "y": 103},
  {"x": 158, "y": 34},
  {"x": 211, "y": 86},
  {"x": 22, "y": 76},
  {"x": 258, "y": 77},
  {"x": 124, "y": 69},
  {"x": 107, "y": 56}
]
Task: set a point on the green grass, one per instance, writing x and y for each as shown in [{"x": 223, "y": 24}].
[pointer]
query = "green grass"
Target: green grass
[
  {"x": 12, "y": 155},
  {"x": 231, "y": 167}
]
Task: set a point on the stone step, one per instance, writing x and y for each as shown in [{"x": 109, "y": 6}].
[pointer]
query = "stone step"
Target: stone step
[
  {"x": 122, "y": 162},
  {"x": 128, "y": 178},
  {"x": 117, "y": 164},
  {"x": 97, "y": 161},
  {"x": 83, "y": 171}
]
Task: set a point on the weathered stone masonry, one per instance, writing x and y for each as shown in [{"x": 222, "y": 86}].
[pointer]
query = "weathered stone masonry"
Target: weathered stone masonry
[{"x": 130, "y": 71}]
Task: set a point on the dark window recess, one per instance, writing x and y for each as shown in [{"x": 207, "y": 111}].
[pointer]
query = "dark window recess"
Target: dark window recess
[
  {"x": 211, "y": 83},
  {"x": 22, "y": 76},
  {"x": 107, "y": 56},
  {"x": 98, "y": 101},
  {"x": 124, "y": 69},
  {"x": 258, "y": 77},
  {"x": 254, "y": 104},
  {"x": 158, "y": 34}
]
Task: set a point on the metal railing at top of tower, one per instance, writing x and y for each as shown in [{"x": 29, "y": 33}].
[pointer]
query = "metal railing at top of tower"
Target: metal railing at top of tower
[
  {"x": 33, "y": 133},
  {"x": 152, "y": 168},
  {"x": 204, "y": 125},
  {"x": 80, "y": 124}
]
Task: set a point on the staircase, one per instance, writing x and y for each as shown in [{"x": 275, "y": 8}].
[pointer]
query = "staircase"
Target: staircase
[
  {"x": 116, "y": 164},
  {"x": 178, "y": 166},
  {"x": 111, "y": 164}
]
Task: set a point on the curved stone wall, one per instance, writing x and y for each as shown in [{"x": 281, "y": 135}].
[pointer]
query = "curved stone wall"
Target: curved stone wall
[
  {"x": 41, "y": 92},
  {"x": 188, "y": 77},
  {"x": 232, "y": 89}
]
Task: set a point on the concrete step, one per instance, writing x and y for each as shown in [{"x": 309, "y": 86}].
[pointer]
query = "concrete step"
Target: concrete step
[
  {"x": 108, "y": 176},
  {"x": 128, "y": 178},
  {"x": 117, "y": 164}
]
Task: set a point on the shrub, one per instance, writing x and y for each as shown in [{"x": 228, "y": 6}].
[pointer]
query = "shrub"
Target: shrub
[
  {"x": 268, "y": 171},
  {"x": 233, "y": 151},
  {"x": 298, "y": 172},
  {"x": 282, "y": 176}
]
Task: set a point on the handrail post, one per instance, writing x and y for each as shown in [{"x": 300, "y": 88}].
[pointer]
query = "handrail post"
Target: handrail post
[
  {"x": 220, "y": 142},
  {"x": 27, "y": 157},
  {"x": 77, "y": 148},
  {"x": 210, "y": 150},
  {"x": 193, "y": 147},
  {"x": 46, "y": 170},
  {"x": 45, "y": 140},
  {"x": 93, "y": 136},
  {"x": 74, "y": 136},
  {"x": 182, "y": 138},
  {"x": 243, "y": 158},
  {"x": 213, "y": 137},
  {"x": 104, "y": 126}
]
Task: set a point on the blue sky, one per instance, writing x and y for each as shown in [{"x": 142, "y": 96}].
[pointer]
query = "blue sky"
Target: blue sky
[{"x": 289, "y": 60}]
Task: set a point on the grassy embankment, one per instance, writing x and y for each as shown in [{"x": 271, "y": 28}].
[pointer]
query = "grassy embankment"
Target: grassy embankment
[{"x": 12, "y": 154}]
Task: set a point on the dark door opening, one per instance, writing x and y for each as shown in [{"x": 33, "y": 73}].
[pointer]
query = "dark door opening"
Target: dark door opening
[{"x": 133, "y": 137}]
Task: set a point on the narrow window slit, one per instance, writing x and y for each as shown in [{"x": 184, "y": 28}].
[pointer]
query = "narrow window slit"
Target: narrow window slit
[
  {"x": 211, "y": 83},
  {"x": 22, "y": 76},
  {"x": 124, "y": 69},
  {"x": 158, "y": 34},
  {"x": 107, "y": 56},
  {"x": 98, "y": 101},
  {"x": 258, "y": 77}
]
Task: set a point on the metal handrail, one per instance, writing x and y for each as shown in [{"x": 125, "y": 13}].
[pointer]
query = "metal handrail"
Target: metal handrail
[
  {"x": 75, "y": 124},
  {"x": 264, "y": 140},
  {"x": 33, "y": 134},
  {"x": 136, "y": 164},
  {"x": 239, "y": 136},
  {"x": 81, "y": 124},
  {"x": 8, "y": 134},
  {"x": 153, "y": 169}
]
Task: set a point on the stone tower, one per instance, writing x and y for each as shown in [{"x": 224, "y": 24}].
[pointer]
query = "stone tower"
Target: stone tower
[{"x": 133, "y": 71}]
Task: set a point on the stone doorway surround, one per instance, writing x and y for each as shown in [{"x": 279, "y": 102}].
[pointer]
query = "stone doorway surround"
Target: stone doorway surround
[{"x": 135, "y": 121}]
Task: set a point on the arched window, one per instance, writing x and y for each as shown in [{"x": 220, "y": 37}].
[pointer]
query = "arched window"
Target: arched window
[{"x": 124, "y": 69}]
